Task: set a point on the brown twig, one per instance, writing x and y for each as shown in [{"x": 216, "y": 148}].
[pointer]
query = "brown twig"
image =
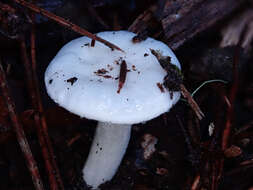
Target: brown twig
[
  {"x": 207, "y": 159},
  {"x": 25, "y": 60},
  {"x": 195, "y": 183},
  {"x": 188, "y": 139},
  {"x": 18, "y": 128},
  {"x": 65, "y": 23},
  {"x": 229, "y": 118},
  {"x": 218, "y": 165},
  {"x": 191, "y": 102},
  {"x": 122, "y": 75},
  {"x": 141, "y": 22},
  {"x": 194, "y": 128},
  {"x": 32, "y": 92},
  {"x": 232, "y": 96},
  {"x": 116, "y": 24},
  {"x": 214, "y": 173},
  {"x": 94, "y": 14},
  {"x": 248, "y": 164},
  {"x": 40, "y": 120},
  {"x": 92, "y": 44},
  {"x": 243, "y": 132}
]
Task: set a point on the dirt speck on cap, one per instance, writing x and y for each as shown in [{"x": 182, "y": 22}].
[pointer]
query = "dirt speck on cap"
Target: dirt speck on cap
[
  {"x": 72, "y": 80},
  {"x": 160, "y": 86}
]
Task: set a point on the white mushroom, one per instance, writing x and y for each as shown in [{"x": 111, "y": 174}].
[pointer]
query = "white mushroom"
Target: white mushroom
[{"x": 84, "y": 80}]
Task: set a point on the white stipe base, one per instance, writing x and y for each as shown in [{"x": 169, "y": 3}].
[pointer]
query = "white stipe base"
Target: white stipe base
[{"x": 107, "y": 150}]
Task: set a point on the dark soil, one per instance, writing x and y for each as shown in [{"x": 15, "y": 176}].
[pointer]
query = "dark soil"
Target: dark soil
[{"x": 182, "y": 141}]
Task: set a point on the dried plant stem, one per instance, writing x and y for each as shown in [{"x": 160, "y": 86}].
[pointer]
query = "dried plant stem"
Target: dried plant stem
[
  {"x": 229, "y": 117},
  {"x": 191, "y": 102},
  {"x": 42, "y": 141},
  {"x": 25, "y": 60},
  {"x": 31, "y": 163},
  {"x": 95, "y": 15},
  {"x": 41, "y": 133},
  {"x": 122, "y": 75},
  {"x": 232, "y": 96},
  {"x": 195, "y": 183},
  {"x": 65, "y": 23},
  {"x": 40, "y": 120}
]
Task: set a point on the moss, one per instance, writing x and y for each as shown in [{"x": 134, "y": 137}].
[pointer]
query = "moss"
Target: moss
[{"x": 174, "y": 76}]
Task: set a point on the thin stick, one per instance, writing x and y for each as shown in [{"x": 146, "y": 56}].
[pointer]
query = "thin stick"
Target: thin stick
[
  {"x": 31, "y": 89},
  {"x": 18, "y": 128},
  {"x": 40, "y": 120},
  {"x": 65, "y": 23},
  {"x": 122, "y": 75},
  {"x": 191, "y": 102},
  {"x": 195, "y": 183},
  {"x": 232, "y": 96},
  {"x": 219, "y": 164},
  {"x": 230, "y": 111},
  {"x": 94, "y": 14}
]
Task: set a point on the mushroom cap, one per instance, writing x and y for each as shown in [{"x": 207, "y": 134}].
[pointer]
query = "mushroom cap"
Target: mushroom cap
[{"x": 84, "y": 79}]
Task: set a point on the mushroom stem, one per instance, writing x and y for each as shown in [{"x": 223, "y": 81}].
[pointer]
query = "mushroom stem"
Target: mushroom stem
[{"x": 107, "y": 150}]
